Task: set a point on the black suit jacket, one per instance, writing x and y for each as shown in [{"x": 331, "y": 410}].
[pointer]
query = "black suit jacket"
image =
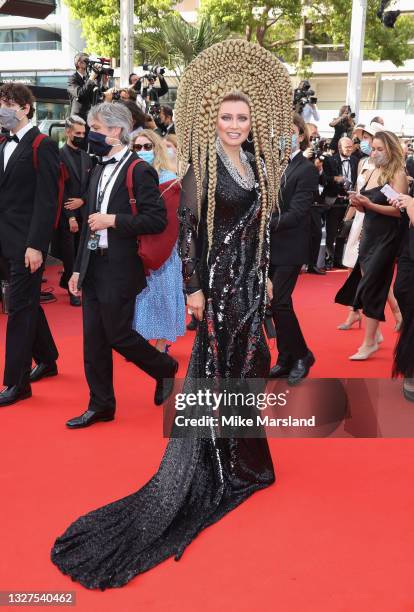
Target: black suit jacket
[
  {"x": 76, "y": 185},
  {"x": 332, "y": 166},
  {"x": 81, "y": 94},
  {"x": 125, "y": 267},
  {"x": 290, "y": 230},
  {"x": 28, "y": 197}
]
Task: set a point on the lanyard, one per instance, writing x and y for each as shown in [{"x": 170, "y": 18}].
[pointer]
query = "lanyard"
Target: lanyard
[{"x": 101, "y": 194}]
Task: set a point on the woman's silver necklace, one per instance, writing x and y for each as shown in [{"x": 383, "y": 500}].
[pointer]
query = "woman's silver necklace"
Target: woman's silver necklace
[{"x": 248, "y": 180}]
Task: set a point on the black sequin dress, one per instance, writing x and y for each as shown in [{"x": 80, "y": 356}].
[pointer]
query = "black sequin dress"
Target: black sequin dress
[{"x": 199, "y": 480}]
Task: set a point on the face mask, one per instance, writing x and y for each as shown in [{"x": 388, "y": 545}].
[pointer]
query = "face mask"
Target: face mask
[
  {"x": 365, "y": 147},
  {"x": 380, "y": 159},
  {"x": 79, "y": 141},
  {"x": 97, "y": 144},
  {"x": 147, "y": 156},
  {"x": 295, "y": 143},
  {"x": 8, "y": 118}
]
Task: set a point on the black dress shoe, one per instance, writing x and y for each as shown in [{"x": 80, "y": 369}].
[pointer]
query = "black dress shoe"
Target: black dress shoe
[
  {"x": 279, "y": 371},
  {"x": 301, "y": 369},
  {"x": 193, "y": 324},
  {"x": 165, "y": 386},
  {"x": 315, "y": 270},
  {"x": 89, "y": 418},
  {"x": 13, "y": 394},
  {"x": 339, "y": 266},
  {"x": 43, "y": 370},
  {"x": 74, "y": 300}
]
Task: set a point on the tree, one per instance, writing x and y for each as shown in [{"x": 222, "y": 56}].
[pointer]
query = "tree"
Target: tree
[
  {"x": 332, "y": 19},
  {"x": 100, "y": 20},
  {"x": 175, "y": 43},
  {"x": 274, "y": 24}
]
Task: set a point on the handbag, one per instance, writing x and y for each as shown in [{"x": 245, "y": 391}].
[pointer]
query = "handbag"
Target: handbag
[
  {"x": 155, "y": 249},
  {"x": 344, "y": 227}
]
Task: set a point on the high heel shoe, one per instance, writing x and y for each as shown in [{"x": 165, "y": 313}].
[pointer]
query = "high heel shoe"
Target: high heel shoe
[
  {"x": 346, "y": 325},
  {"x": 364, "y": 352},
  {"x": 398, "y": 324},
  {"x": 379, "y": 337}
]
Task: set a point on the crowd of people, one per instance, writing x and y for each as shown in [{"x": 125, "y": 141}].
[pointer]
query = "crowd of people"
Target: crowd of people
[{"x": 119, "y": 178}]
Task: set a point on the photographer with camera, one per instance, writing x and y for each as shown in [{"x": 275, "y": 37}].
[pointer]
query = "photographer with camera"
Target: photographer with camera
[
  {"x": 340, "y": 172},
  {"x": 343, "y": 125},
  {"x": 145, "y": 86},
  {"x": 87, "y": 85},
  {"x": 304, "y": 102}
]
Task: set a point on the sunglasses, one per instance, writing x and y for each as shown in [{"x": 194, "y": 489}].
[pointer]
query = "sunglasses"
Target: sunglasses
[{"x": 147, "y": 147}]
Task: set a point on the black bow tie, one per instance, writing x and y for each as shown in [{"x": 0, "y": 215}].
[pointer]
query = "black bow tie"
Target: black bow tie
[
  {"x": 346, "y": 159},
  {"x": 11, "y": 138},
  {"x": 112, "y": 160}
]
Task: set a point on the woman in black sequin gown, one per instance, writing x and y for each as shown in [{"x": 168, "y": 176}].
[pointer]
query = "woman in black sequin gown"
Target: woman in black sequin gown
[
  {"x": 199, "y": 480},
  {"x": 368, "y": 285}
]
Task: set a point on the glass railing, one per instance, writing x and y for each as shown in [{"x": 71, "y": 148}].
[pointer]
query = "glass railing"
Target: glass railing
[{"x": 43, "y": 45}]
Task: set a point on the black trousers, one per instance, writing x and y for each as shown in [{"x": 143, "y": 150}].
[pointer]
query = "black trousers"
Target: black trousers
[
  {"x": 334, "y": 245},
  {"x": 316, "y": 234},
  {"x": 291, "y": 344},
  {"x": 28, "y": 335},
  {"x": 107, "y": 325},
  {"x": 65, "y": 244}
]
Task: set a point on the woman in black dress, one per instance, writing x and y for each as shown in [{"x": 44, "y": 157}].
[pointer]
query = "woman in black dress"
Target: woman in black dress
[
  {"x": 227, "y": 199},
  {"x": 368, "y": 285},
  {"x": 404, "y": 292}
]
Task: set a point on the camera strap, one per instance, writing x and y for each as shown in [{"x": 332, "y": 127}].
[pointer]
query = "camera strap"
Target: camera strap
[{"x": 101, "y": 193}]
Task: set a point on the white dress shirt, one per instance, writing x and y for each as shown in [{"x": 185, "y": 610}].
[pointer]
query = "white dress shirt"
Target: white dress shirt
[
  {"x": 310, "y": 112},
  {"x": 105, "y": 176},
  {"x": 12, "y": 145},
  {"x": 346, "y": 166}
]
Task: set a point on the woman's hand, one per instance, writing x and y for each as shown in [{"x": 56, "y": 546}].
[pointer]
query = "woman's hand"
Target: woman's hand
[
  {"x": 99, "y": 221},
  {"x": 403, "y": 201},
  {"x": 361, "y": 202},
  {"x": 196, "y": 304}
]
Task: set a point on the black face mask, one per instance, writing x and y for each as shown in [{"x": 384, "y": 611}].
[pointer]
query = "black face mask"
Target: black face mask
[{"x": 79, "y": 142}]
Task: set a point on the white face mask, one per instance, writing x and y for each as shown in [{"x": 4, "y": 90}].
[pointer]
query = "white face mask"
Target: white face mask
[{"x": 379, "y": 159}]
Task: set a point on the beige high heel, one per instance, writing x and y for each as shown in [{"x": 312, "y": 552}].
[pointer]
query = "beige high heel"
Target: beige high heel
[
  {"x": 364, "y": 352},
  {"x": 379, "y": 337},
  {"x": 345, "y": 326}
]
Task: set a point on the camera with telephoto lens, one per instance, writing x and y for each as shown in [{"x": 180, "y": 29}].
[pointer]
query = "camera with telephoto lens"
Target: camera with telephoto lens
[
  {"x": 152, "y": 72},
  {"x": 303, "y": 95},
  {"x": 100, "y": 65},
  {"x": 317, "y": 147}
]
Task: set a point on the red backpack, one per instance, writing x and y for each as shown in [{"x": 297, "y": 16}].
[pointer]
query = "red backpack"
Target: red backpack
[
  {"x": 63, "y": 173},
  {"x": 155, "y": 249}
]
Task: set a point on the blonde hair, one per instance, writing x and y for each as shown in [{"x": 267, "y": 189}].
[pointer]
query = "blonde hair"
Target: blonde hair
[
  {"x": 162, "y": 160},
  {"x": 234, "y": 69},
  {"x": 395, "y": 157}
]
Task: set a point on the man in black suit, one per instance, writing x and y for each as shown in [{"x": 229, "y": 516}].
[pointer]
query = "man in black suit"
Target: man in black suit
[
  {"x": 340, "y": 172},
  {"x": 28, "y": 204},
  {"x": 112, "y": 274},
  {"x": 289, "y": 250},
  {"x": 77, "y": 165},
  {"x": 84, "y": 90}
]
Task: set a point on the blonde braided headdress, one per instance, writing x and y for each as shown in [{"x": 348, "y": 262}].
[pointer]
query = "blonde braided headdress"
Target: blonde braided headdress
[{"x": 235, "y": 66}]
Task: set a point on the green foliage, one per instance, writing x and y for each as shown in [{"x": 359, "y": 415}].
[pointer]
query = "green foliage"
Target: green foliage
[
  {"x": 100, "y": 20},
  {"x": 275, "y": 25},
  {"x": 175, "y": 43}
]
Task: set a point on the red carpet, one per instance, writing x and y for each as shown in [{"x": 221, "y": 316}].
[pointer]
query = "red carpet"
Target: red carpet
[{"x": 334, "y": 534}]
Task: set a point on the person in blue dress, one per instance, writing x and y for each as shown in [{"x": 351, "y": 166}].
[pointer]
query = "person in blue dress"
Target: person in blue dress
[{"x": 160, "y": 307}]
